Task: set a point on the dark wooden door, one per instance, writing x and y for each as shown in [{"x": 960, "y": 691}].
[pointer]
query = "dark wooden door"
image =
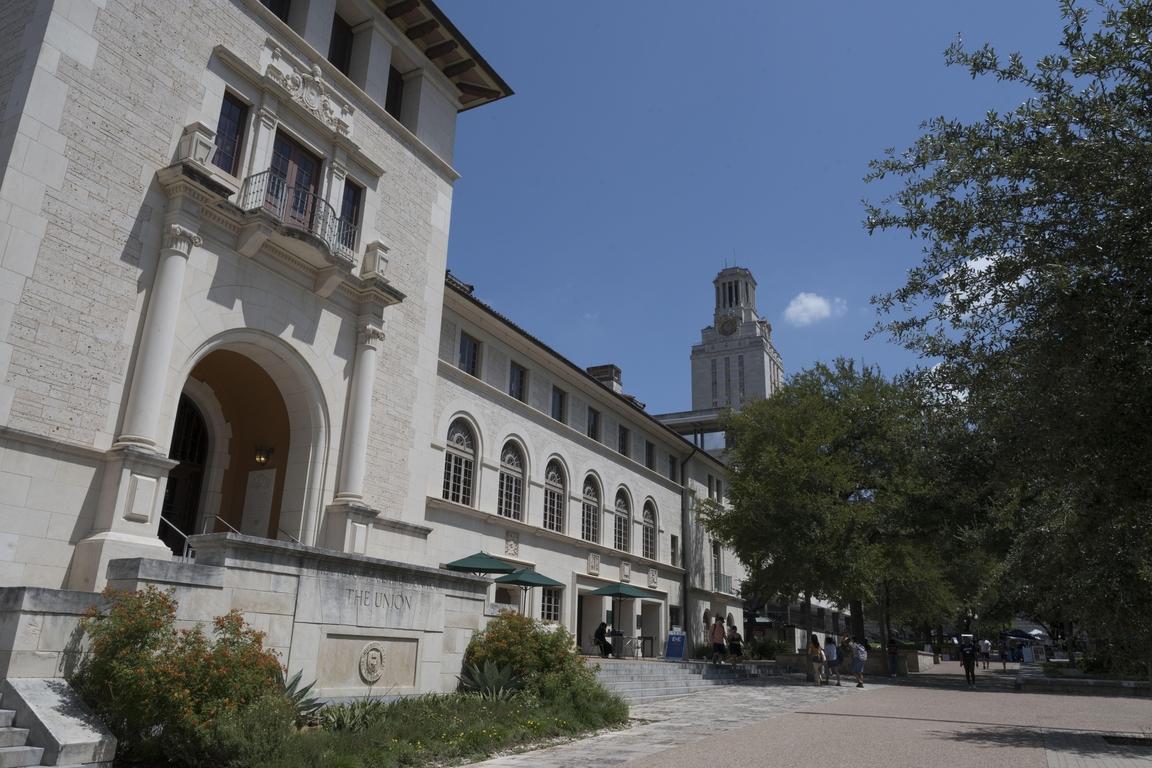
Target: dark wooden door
[
  {"x": 296, "y": 183},
  {"x": 182, "y": 494}
]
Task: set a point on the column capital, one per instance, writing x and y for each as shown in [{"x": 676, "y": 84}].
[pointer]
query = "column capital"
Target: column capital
[
  {"x": 182, "y": 239},
  {"x": 371, "y": 335}
]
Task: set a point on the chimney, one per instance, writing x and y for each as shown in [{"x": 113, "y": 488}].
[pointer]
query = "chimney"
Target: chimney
[{"x": 608, "y": 375}]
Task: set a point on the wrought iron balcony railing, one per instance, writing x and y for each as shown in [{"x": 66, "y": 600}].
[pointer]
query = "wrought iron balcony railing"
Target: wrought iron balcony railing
[{"x": 299, "y": 208}]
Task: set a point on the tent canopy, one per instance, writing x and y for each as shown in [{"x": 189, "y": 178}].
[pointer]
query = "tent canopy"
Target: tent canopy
[
  {"x": 528, "y": 577},
  {"x": 481, "y": 562},
  {"x": 620, "y": 590}
]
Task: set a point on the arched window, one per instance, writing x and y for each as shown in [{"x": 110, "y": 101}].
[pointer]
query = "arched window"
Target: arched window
[
  {"x": 511, "y": 495},
  {"x": 459, "y": 460},
  {"x": 648, "y": 541},
  {"x": 590, "y": 519},
  {"x": 555, "y": 494},
  {"x": 623, "y": 526}
]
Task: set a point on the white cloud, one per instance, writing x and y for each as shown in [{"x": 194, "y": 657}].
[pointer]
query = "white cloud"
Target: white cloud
[{"x": 808, "y": 308}]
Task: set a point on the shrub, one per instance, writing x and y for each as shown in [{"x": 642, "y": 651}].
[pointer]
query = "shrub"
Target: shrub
[
  {"x": 764, "y": 648},
  {"x": 351, "y": 716},
  {"x": 167, "y": 695},
  {"x": 537, "y": 653}
]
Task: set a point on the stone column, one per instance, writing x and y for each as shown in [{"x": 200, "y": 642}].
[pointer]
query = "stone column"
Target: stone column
[
  {"x": 371, "y": 58},
  {"x": 350, "y": 487},
  {"x": 146, "y": 393}
]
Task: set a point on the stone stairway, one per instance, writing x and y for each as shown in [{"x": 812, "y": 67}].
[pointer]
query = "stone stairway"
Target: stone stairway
[
  {"x": 643, "y": 681},
  {"x": 14, "y": 749}
]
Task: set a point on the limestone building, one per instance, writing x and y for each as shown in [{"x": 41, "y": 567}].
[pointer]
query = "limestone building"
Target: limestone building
[{"x": 230, "y": 363}]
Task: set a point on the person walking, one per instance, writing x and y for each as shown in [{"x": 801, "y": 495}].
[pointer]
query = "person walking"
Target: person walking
[
  {"x": 968, "y": 658},
  {"x": 831, "y": 660},
  {"x": 986, "y": 651},
  {"x": 735, "y": 643},
  {"x": 718, "y": 637},
  {"x": 859, "y": 656},
  {"x": 893, "y": 656},
  {"x": 816, "y": 659}
]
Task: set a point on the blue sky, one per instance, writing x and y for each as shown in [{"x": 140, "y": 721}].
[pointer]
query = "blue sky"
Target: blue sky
[{"x": 651, "y": 143}]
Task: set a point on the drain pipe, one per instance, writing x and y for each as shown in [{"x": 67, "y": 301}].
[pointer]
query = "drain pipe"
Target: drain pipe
[{"x": 684, "y": 531}]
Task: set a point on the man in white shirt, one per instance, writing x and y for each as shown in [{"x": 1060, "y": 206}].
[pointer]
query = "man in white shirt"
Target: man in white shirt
[
  {"x": 831, "y": 660},
  {"x": 986, "y": 651}
]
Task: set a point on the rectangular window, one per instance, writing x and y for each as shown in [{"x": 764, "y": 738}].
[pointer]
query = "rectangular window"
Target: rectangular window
[
  {"x": 560, "y": 405},
  {"x": 719, "y": 490},
  {"x": 593, "y": 423},
  {"x": 624, "y": 440},
  {"x": 649, "y": 454},
  {"x": 394, "y": 97},
  {"x": 340, "y": 44},
  {"x": 671, "y": 467},
  {"x": 676, "y": 550},
  {"x": 728, "y": 381},
  {"x": 674, "y": 616},
  {"x": 550, "y": 604},
  {"x": 469, "y": 355},
  {"x": 711, "y": 487},
  {"x": 278, "y": 7},
  {"x": 740, "y": 373},
  {"x": 230, "y": 134},
  {"x": 715, "y": 394},
  {"x": 518, "y": 381},
  {"x": 350, "y": 207}
]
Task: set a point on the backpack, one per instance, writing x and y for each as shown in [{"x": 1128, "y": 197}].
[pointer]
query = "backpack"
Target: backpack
[{"x": 861, "y": 653}]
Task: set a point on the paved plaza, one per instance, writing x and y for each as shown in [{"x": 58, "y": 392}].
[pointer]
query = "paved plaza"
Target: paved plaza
[{"x": 932, "y": 721}]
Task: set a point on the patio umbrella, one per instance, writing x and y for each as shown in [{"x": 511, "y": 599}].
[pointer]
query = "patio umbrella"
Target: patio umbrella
[
  {"x": 526, "y": 578},
  {"x": 618, "y": 591},
  {"x": 481, "y": 562}
]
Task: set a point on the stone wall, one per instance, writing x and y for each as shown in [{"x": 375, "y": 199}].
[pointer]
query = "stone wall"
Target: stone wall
[{"x": 357, "y": 625}]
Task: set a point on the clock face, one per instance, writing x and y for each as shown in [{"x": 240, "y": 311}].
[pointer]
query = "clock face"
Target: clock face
[{"x": 728, "y": 326}]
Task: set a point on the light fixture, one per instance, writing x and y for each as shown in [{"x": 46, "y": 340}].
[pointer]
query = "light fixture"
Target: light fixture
[{"x": 263, "y": 453}]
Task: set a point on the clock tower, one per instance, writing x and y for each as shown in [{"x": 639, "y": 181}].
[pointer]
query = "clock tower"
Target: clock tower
[{"x": 735, "y": 361}]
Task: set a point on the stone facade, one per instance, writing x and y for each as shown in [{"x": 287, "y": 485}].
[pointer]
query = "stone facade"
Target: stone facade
[{"x": 228, "y": 354}]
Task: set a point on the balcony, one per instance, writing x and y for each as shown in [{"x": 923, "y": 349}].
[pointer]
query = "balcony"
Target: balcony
[
  {"x": 722, "y": 583},
  {"x": 296, "y": 219}
]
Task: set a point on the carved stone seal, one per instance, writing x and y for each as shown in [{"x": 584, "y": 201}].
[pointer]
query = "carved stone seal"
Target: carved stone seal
[{"x": 372, "y": 663}]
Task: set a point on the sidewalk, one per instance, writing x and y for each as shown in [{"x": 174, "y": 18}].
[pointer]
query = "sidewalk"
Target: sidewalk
[{"x": 790, "y": 725}]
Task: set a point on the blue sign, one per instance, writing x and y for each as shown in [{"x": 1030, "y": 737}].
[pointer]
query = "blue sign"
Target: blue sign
[{"x": 675, "y": 647}]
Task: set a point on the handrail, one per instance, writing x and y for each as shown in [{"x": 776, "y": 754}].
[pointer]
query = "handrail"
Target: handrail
[
  {"x": 226, "y": 523},
  {"x": 296, "y": 540},
  {"x": 189, "y": 553},
  {"x": 300, "y": 208}
]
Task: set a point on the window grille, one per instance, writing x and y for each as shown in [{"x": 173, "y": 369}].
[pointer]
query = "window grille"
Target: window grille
[
  {"x": 459, "y": 460},
  {"x": 648, "y": 542},
  {"x": 623, "y": 523},
  {"x": 511, "y": 493},
  {"x": 554, "y": 493},
  {"x": 550, "y": 604},
  {"x": 590, "y": 522}
]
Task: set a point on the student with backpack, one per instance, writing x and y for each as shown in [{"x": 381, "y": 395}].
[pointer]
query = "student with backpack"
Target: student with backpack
[{"x": 859, "y": 656}]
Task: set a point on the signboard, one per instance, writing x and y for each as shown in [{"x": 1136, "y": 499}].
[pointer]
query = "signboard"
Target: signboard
[{"x": 675, "y": 647}]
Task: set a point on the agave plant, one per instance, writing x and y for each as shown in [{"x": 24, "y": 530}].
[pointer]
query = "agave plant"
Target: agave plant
[
  {"x": 306, "y": 705},
  {"x": 352, "y": 716},
  {"x": 491, "y": 681}
]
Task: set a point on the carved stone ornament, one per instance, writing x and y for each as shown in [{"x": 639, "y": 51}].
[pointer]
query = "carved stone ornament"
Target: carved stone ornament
[
  {"x": 372, "y": 663},
  {"x": 594, "y": 563},
  {"x": 653, "y": 578},
  {"x": 512, "y": 543},
  {"x": 178, "y": 238},
  {"x": 371, "y": 335},
  {"x": 305, "y": 85},
  {"x": 625, "y": 571}
]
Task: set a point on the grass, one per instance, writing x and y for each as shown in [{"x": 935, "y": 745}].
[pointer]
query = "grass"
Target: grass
[{"x": 452, "y": 728}]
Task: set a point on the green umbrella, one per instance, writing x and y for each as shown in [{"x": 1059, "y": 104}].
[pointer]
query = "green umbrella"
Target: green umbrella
[
  {"x": 528, "y": 578},
  {"x": 481, "y": 562},
  {"x": 620, "y": 590},
  {"x": 617, "y": 591}
]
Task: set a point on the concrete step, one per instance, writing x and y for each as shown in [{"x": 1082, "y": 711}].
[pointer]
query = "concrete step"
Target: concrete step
[
  {"x": 13, "y": 737},
  {"x": 20, "y": 757},
  {"x": 7, "y": 717}
]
